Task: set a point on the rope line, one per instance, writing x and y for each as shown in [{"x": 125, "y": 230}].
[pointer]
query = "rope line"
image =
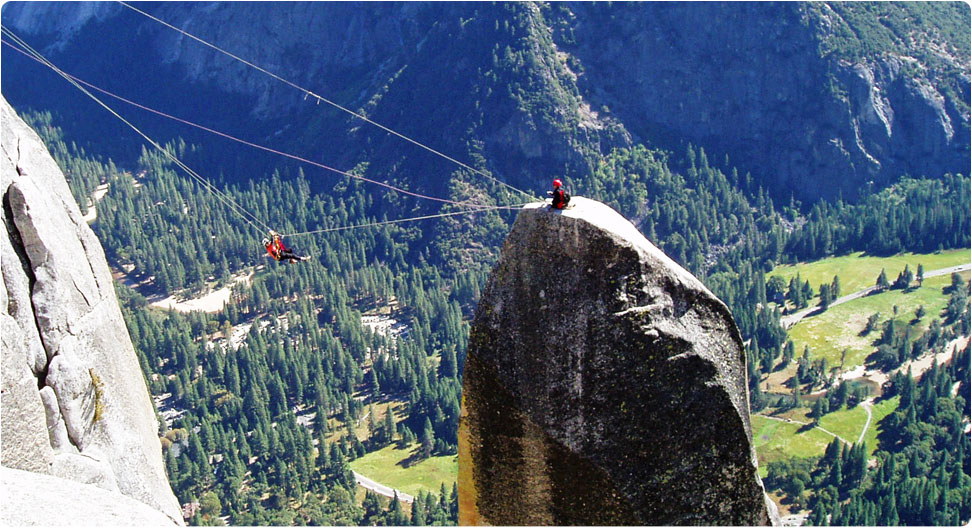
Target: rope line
[
  {"x": 401, "y": 220},
  {"x": 246, "y": 215},
  {"x": 251, "y": 219},
  {"x": 326, "y": 100},
  {"x": 251, "y": 144}
]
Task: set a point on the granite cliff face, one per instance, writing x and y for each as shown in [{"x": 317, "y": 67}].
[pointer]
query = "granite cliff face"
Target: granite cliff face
[
  {"x": 75, "y": 404},
  {"x": 761, "y": 82},
  {"x": 530, "y": 86},
  {"x": 604, "y": 385},
  {"x": 35, "y": 499}
]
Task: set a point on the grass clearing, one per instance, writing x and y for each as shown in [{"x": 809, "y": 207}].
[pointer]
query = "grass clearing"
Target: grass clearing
[
  {"x": 848, "y": 423},
  {"x": 387, "y": 466},
  {"x": 780, "y": 440},
  {"x": 880, "y": 410},
  {"x": 839, "y": 328},
  {"x": 845, "y": 423},
  {"x": 858, "y": 271},
  {"x": 338, "y": 429}
]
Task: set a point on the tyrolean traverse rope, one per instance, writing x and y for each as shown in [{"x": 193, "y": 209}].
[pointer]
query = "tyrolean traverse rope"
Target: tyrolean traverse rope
[
  {"x": 249, "y": 143},
  {"x": 326, "y": 100},
  {"x": 239, "y": 210},
  {"x": 242, "y": 212}
]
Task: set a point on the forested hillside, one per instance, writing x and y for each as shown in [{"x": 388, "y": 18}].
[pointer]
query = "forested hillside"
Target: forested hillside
[
  {"x": 306, "y": 352},
  {"x": 238, "y": 436},
  {"x": 264, "y": 403},
  {"x": 812, "y": 99}
]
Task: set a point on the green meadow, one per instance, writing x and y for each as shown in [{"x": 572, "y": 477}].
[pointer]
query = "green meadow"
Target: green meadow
[
  {"x": 858, "y": 271},
  {"x": 848, "y": 423},
  {"x": 777, "y": 439},
  {"x": 391, "y": 466},
  {"x": 828, "y": 334}
]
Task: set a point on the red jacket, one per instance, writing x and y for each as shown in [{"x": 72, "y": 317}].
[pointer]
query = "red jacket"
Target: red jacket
[
  {"x": 272, "y": 250},
  {"x": 275, "y": 247},
  {"x": 560, "y": 198}
]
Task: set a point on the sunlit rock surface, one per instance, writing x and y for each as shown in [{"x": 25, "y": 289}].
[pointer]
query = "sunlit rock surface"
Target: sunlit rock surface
[{"x": 75, "y": 404}]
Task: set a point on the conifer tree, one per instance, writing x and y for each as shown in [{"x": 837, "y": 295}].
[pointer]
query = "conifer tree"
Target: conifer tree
[
  {"x": 428, "y": 439},
  {"x": 882, "y": 281},
  {"x": 454, "y": 503},
  {"x": 389, "y": 425},
  {"x": 418, "y": 510},
  {"x": 817, "y": 411},
  {"x": 396, "y": 516},
  {"x": 825, "y": 296}
]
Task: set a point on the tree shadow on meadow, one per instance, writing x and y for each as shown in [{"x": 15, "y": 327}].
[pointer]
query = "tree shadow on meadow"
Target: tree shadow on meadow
[{"x": 414, "y": 456}]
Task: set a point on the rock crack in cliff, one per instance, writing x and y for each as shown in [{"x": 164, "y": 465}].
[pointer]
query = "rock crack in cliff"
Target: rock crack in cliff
[{"x": 75, "y": 403}]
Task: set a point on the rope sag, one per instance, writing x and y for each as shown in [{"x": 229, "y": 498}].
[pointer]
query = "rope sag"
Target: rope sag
[{"x": 326, "y": 100}]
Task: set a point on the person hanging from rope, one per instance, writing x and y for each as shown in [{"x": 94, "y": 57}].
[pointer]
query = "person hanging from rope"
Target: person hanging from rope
[
  {"x": 276, "y": 248},
  {"x": 560, "y": 195}
]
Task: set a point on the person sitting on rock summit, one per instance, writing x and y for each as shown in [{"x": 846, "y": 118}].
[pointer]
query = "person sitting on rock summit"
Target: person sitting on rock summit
[
  {"x": 279, "y": 251},
  {"x": 560, "y": 195}
]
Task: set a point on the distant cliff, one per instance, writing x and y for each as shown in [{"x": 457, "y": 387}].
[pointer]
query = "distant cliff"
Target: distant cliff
[
  {"x": 811, "y": 98},
  {"x": 75, "y": 404},
  {"x": 604, "y": 385}
]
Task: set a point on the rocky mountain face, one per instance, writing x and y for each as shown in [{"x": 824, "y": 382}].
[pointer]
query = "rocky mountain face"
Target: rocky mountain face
[
  {"x": 526, "y": 90},
  {"x": 75, "y": 404},
  {"x": 604, "y": 385},
  {"x": 764, "y": 83}
]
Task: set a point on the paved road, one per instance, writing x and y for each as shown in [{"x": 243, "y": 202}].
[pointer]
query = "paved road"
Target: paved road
[
  {"x": 948, "y": 271},
  {"x": 380, "y": 489},
  {"x": 867, "y": 408},
  {"x": 789, "y": 320}
]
